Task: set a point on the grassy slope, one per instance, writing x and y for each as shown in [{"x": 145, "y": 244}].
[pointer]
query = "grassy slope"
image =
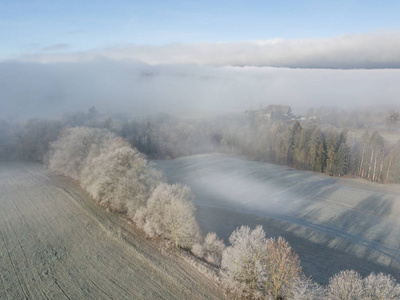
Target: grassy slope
[{"x": 56, "y": 243}]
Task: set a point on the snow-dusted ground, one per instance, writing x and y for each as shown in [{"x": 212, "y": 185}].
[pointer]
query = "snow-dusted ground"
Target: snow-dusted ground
[
  {"x": 57, "y": 243},
  {"x": 332, "y": 223}
]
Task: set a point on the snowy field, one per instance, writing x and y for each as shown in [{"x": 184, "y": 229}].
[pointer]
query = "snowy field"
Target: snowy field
[
  {"x": 57, "y": 243},
  {"x": 332, "y": 223}
]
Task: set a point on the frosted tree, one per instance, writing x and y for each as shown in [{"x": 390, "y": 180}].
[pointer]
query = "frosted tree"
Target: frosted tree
[
  {"x": 197, "y": 250},
  {"x": 242, "y": 261},
  {"x": 69, "y": 153},
  {"x": 93, "y": 168},
  {"x": 170, "y": 214},
  {"x": 120, "y": 177},
  {"x": 213, "y": 248},
  {"x": 306, "y": 289},
  {"x": 282, "y": 267},
  {"x": 345, "y": 285},
  {"x": 380, "y": 287}
]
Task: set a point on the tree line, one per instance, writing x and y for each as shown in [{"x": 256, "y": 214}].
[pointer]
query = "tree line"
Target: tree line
[
  {"x": 332, "y": 152},
  {"x": 251, "y": 267},
  {"x": 305, "y": 147},
  {"x": 309, "y": 146}
]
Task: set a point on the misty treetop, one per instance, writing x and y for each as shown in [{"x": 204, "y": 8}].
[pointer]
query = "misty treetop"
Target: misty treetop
[
  {"x": 170, "y": 214},
  {"x": 306, "y": 143},
  {"x": 271, "y": 135},
  {"x": 119, "y": 177}
]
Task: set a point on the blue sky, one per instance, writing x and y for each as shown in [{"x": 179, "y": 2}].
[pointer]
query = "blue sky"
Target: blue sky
[{"x": 29, "y": 26}]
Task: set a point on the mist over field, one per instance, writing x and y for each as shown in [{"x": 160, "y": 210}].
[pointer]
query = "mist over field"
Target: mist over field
[
  {"x": 201, "y": 149},
  {"x": 30, "y": 89},
  {"x": 354, "y": 223}
]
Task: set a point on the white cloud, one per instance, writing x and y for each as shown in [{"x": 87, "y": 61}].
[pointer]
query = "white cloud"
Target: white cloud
[
  {"x": 375, "y": 50},
  {"x": 56, "y": 47},
  {"x": 34, "y": 89}
]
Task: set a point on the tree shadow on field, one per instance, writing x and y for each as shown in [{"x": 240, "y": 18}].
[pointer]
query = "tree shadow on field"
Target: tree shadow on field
[
  {"x": 317, "y": 260},
  {"x": 366, "y": 236},
  {"x": 332, "y": 224},
  {"x": 370, "y": 226},
  {"x": 363, "y": 237}
]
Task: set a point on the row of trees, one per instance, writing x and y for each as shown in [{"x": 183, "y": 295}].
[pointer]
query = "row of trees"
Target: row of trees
[
  {"x": 252, "y": 267},
  {"x": 305, "y": 147},
  {"x": 29, "y": 140},
  {"x": 355, "y": 119},
  {"x": 378, "y": 161},
  {"x": 119, "y": 177},
  {"x": 166, "y": 136},
  {"x": 310, "y": 148}
]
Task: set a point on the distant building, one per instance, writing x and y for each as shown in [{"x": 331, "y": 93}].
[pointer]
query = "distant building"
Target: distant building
[{"x": 272, "y": 112}]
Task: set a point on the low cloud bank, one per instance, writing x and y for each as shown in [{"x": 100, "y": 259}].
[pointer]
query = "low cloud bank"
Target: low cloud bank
[
  {"x": 43, "y": 90},
  {"x": 368, "y": 51}
]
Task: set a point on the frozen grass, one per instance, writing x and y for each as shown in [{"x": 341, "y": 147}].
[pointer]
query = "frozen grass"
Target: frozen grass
[
  {"x": 57, "y": 243},
  {"x": 332, "y": 223}
]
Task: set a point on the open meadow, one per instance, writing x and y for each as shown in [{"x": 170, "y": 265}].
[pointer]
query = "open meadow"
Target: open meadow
[{"x": 332, "y": 223}]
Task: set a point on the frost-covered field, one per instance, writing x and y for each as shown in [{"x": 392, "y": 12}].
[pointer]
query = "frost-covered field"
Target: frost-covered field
[
  {"x": 57, "y": 243},
  {"x": 332, "y": 223}
]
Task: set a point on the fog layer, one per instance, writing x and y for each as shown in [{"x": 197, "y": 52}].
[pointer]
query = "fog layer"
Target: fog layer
[
  {"x": 39, "y": 90},
  {"x": 373, "y": 50}
]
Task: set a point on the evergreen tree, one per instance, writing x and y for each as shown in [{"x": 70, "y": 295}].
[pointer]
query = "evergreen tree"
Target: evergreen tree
[
  {"x": 294, "y": 134},
  {"x": 317, "y": 151},
  {"x": 341, "y": 160}
]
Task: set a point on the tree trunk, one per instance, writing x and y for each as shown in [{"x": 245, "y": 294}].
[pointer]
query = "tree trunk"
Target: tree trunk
[
  {"x": 374, "y": 174},
  {"x": 390, "y": 165},
  {"x": 381, "y": 169},
  {"x": 361, "y": 164},
  {"x": 370, "y": 165}
]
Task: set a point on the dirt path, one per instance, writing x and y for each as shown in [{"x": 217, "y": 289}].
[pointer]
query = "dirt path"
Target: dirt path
[
  {"x": 56, "y": 243},
  {"x": 332, "y": 223}
]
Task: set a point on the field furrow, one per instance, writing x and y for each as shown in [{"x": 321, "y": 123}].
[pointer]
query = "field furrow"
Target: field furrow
[{"x": 57, "y": 243}]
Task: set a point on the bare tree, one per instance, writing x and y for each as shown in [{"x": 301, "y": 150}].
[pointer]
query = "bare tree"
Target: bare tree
[
  {"x": 393, "y": 168},
  {"x": 380, "y": 287},
  {"x": 282, "y": 268},
  {"x": 346, "y": 285},
  {"x": 306, "y": 289}
]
